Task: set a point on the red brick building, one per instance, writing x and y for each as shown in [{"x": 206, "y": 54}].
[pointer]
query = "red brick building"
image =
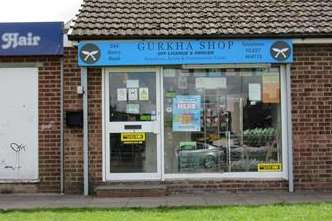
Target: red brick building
[{"x": 182, "y": 96}]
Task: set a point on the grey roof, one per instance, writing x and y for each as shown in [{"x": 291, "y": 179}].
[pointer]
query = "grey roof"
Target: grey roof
[{"x": 116, "y": 19}]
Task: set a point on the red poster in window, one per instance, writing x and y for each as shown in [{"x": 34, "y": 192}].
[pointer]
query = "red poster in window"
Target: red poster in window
[{"x": 271, "y": 88}]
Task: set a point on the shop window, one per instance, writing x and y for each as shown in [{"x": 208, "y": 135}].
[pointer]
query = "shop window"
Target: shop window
[
  {"x": 222, "y": 120},
  {"x": 132, "y": 97}
]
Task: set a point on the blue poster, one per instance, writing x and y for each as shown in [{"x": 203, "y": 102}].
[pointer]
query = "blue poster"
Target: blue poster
[
  {"x": 182, "y": 51},
  {"x": 187, "y": 113}
]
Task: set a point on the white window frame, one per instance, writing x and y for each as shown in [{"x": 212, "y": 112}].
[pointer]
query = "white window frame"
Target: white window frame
[
  {"x": 246, "y": 175},
  {"x": 283, "y": 175},
  {"x": 117, "y": 127}
]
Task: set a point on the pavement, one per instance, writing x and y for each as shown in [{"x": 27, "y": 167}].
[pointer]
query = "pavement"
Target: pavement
[{"x": 46, "y": 201}]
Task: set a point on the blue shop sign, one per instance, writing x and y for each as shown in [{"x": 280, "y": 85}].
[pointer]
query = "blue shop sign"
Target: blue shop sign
[
  {"x": 175, "y": 52},
  {"x": 36, "y": 38}
]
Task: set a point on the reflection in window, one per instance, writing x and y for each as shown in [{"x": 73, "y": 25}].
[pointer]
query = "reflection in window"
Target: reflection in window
[
  {"x": 132, "y": 96},
  {"x": 234, "y": 128},
  {"x": 133, "y": 157}
]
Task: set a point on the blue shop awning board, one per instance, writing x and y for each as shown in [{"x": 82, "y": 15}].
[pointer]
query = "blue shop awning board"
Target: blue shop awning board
[
  {"x": 110, "y": 19},
  {"x": 180, "y": 51},
  {"x": 31, "y": 38}
]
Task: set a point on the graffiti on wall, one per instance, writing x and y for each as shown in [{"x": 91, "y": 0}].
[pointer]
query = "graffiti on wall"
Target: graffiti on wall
[{"x": 18, "y": 150}]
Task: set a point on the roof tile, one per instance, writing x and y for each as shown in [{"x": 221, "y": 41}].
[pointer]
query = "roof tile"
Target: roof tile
[{"x": 215, "y": 18}]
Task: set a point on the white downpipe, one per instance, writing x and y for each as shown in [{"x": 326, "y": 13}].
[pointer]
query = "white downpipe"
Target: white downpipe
[
  {"x": 289, "y": 130},
  {"x": 62, "y": 127}
]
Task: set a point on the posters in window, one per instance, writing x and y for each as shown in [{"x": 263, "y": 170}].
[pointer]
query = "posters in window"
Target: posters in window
[
  {"x": 132, "y": 108},
  {"x": 211, "y": 83},
  {"x": 122, "y": 94},
  {"x": 132, "y": 94},
  {"x": 132, "y": 83},
  {"x": 254, "y": 92},
  {"x": 144, "y": 94},
  {"x": 186, "y": 113},
  {"x": 271, "y": 88},
  {"x": 183, "y": 82}
]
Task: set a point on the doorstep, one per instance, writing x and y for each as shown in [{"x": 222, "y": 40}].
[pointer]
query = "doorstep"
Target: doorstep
[{"x": 131, "y": 190}]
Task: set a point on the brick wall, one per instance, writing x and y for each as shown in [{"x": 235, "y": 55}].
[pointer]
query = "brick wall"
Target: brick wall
[
  {"x": 73, "y": 136},
  {"x": 49, "y": 124},
  {"x": 312, "y": 126},
  {"x": 226, "y": 185},
  {"x": 312, "y": 117},
  {"x": 95, "y": 126}
]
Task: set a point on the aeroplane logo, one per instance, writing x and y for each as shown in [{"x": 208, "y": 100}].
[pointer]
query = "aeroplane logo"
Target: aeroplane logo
[
  {"x": 280, "y": 51},
  {"x": 90, "y": 53}
]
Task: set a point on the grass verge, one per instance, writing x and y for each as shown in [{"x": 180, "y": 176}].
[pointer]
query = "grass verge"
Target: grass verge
[{"x": 280, "y": 212}]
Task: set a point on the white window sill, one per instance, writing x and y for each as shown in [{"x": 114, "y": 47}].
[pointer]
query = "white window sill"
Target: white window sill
[{"x": 18, "y": 181}]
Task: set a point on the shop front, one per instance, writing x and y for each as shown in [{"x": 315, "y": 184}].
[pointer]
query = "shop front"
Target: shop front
[
  {"x": 31, "y": 56},
  {"x": 193, "y": 109}
]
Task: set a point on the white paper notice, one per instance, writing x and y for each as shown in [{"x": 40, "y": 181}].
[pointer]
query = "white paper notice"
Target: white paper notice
[
  {"x": 144, "y": 94},
  {"x": 132, "y": 83},
  {"x": 182, "y": 82},
  {"x": 132, "y": 94},
  {"x": 211, "y": 83},
  {"x": 169, "y": 73},
  {"x": 122, "y": 94},
  {"x": 231, "y": 104},
  {"x": 255, "y": 93},
  {"x": 132, "y": 108}
]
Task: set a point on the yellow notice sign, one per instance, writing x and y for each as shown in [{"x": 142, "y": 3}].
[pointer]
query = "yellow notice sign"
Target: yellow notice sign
[
  {"x": 269, "y": 167},
  {"x": 133, "y": 138}
]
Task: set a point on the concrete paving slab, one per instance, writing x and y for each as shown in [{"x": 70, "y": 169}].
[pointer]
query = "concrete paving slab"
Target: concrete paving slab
[
  {"x": 37, "y": 201},
  {"x": 260, "y": 198},
  {"x": 306, "y": 197},
  {"x": 216, "y": 199},
  {"x": 325, "y": 196},
  {"x": 185, "y": 200},
  {"x": 147, "y": 202}
]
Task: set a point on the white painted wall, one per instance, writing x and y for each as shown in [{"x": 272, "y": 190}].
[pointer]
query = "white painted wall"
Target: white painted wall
[{"x": 18, "y": 124}]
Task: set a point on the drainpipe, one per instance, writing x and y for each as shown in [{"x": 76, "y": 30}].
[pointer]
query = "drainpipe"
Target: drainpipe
[
  {"x": 290, "y": 130},
  {"x": 61, "y": 126},
  {"x": 84, "y": 84}
]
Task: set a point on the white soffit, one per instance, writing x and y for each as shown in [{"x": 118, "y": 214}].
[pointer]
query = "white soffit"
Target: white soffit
[{"x": 312, "y": 41}]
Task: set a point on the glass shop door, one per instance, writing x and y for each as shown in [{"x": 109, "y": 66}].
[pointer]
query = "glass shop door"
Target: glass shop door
[{"x": 132, "y": 113}]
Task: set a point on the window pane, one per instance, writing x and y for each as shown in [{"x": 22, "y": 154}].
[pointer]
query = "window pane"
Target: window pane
[
  {"x": 132, "y": 96},
  {"x": 133, "y": 157},
  {"x": 221, "y": 120}
]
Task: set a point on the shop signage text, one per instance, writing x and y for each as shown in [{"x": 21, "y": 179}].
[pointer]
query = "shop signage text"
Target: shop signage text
[
  {"x": 133, "y": 138},
  {"x": 19, "y": 39},
  {"x": 176, "y": 52},
  {"x": 269, "y": 167},
  {"x": 14, "y": 40}
]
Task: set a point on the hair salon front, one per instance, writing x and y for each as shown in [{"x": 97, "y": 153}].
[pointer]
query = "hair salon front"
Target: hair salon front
[{"x": 211, "y": 114}]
